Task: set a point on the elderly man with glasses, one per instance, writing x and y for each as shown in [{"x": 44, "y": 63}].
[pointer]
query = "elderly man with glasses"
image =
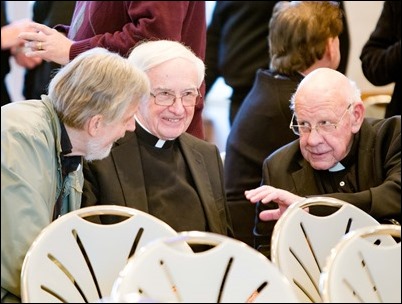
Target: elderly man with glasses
[
  {"x": 339, "y": 153},
  {"x": 160, "y": 168}
]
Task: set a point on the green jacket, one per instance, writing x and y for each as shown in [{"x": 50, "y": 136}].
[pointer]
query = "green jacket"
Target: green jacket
[{"x": 31, "y": 181}]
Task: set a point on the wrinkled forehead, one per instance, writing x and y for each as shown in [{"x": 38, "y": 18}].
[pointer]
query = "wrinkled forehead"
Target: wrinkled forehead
[
  {"x": 322, "y": 91},
  {"x": 173, "y": 72},
  {"x": 315, "y": 97}
]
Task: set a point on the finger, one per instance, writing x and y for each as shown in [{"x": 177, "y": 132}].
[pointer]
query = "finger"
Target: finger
[
  {"x": 41, "y": 28},
  {"x": 256, "y": 197},
  {"x": 36, "y": 32},
  {"x": 270, "y": 215},
  {"x": 29, "y": 36},
  {"x": 256, "y": 191}
]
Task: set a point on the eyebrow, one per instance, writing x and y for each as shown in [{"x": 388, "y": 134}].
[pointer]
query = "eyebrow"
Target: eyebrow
[{"x": 173, "y": 91}]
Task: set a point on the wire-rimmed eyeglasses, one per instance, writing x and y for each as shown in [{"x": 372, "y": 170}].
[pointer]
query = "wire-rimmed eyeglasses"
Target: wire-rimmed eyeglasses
[
  {"x": 188, "y": 98},
  {"x": 323, "y": 126}
]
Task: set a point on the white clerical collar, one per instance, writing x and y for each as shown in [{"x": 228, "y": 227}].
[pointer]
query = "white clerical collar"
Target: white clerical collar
[
  {"x": 159, "y": 142},
  {"x": 337, "y": 167}
]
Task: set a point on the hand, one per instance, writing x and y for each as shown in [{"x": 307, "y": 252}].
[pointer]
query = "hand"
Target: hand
[
  {"x": 27, "y": 62},
  {"x": 266, "y": 194},
  {"x": 47, "y": 43},
  {"x": 10, "y": 32}
]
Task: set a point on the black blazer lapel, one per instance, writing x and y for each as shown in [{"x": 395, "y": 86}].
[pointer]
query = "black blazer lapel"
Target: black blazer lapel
[
  {"x": 303, "y": 180},
  {"x": 129, "y": 172},
  {"x": 196, "y": 163}
]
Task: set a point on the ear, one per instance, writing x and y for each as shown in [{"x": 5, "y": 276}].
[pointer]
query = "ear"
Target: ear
[
  {"x": 94, "y": 124},
  {"x": 332, "y": 52},
  {"x": 358, "y": 113}
]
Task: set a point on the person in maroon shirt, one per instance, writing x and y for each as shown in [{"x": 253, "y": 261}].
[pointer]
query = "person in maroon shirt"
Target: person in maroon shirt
[{"x": 119, "y": 26}]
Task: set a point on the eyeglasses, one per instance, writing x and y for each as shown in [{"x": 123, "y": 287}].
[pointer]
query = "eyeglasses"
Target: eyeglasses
[
  {"x": 322, "y": 127},
  {"x": 166, "y": 98}
]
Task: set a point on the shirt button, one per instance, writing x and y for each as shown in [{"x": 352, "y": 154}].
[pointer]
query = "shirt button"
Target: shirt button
[{"x": 342, "y": 183}]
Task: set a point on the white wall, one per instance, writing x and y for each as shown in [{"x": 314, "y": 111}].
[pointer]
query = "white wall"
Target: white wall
[{"x": 362, "y": 18}]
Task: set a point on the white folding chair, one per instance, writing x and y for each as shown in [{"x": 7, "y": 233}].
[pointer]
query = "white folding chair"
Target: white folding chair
[
  {"x": 228, "y": 271},
  {"x": 75, "y": 260},
  {"x": 301, "y": 241},
  {"x": 361, "y": 268}
]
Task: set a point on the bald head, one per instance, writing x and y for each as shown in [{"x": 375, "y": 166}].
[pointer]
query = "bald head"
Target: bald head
[
  {"x": 326, "y": 85},
  {"x": 324, "y": 78}
]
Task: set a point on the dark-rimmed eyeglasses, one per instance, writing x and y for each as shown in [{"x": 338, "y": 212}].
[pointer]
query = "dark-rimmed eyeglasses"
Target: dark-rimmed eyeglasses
[
  {"x": 188, "y": 98},
  {"x": 321, "y": 127}
]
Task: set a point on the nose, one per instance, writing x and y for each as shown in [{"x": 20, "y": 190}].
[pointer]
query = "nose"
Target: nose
[
  {"x": 177, "y": 106},
  {"x": 314, "y": 137}
]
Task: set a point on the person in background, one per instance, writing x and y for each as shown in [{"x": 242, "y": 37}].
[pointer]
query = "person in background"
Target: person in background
[
  {"x": 160, "y": 169},
  {"x": 381, "y": 55},
  {"x": 37, "y": 78},
  {"x": 118, "y": 26},
  {"x": 43, "y": 143},
  {"x": 303, "y": 36},
  {"x": 9, "y": 40},
  {"x": 237, "y": 46},
  {"x": 339, "y": 153}
]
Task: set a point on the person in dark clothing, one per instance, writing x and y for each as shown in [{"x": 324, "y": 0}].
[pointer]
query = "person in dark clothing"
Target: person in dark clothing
[
  {"x": 261, "y": 125},
  {"x": 159, "y": 168},
  {"x": 50, "y": 13},
  {"x": 381, "y": 55},
  {"x": 340, "y": 153},
  {"x": 237, "y": 46}
]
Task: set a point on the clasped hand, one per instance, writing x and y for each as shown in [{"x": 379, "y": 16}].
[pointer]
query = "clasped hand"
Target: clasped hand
[{"x": 47, "y": 43}]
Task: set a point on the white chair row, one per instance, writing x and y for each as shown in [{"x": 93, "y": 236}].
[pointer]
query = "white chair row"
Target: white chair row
[
  {"x": 306, "y": 249},
  {"x": 74, "y": 260},
  {"x": 346, "y": 256}
]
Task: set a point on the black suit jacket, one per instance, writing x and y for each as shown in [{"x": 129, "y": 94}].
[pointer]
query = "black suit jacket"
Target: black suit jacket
[{"x": 118, "y": 179}]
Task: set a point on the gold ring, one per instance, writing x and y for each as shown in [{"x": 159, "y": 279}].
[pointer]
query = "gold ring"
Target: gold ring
[{"x": 39, "y": 46}]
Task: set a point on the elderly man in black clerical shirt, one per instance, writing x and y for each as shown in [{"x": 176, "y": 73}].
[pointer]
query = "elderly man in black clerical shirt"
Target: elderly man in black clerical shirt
[{"x": 159, "y": 168}]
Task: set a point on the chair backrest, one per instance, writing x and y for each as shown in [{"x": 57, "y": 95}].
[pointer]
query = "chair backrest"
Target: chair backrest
[
  {"x": 75, "y": 260},
  {"x": 301, "y": 241},
  {"x": 228, "y": 271},
  {"x": 363, "y": 269}
]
